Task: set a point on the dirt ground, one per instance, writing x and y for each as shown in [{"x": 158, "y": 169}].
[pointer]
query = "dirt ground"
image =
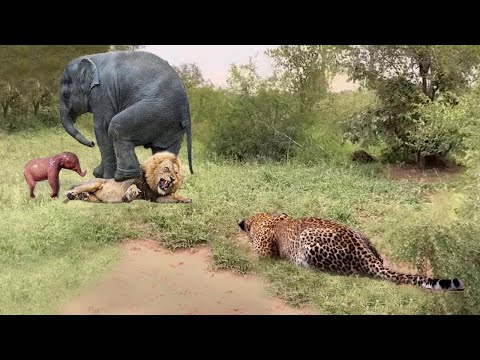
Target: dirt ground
[
  {"x": 411, "y": 172},
  {"x": 149, "y": 279}
]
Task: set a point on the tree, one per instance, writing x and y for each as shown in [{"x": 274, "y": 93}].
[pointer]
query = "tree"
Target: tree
[
  {"x": 42, "y": 62},
  {"x": 125, "y": 47},
  {"x": 8, "y": 96},
  {"x": 431, "y": 68},
  {"x": 37, "y": 94},
  {"x": 34, "y": 71},
  {"x": 407, "y": 78},
  {"x": 191, "y": 75},
  {"x": 243, "y": 79},
  {"x": 305, "y": 70}
]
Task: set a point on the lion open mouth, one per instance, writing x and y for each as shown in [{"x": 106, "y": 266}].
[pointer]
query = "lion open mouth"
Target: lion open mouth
[{"x": 164, "y": 184}]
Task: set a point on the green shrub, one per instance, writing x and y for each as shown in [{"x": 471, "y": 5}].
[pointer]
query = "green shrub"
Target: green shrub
[
  {"x": 412, "y": 132},
  {"x": 207, "y": 104},
  {"x": 265, "y": 125},
  {"x": 444, "y": 239},
  {"x": 323, "y": 134}
]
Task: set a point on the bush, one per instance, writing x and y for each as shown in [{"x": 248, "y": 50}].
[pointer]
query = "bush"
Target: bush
[
  {"x": 13, "y": 123},
  {"x": 323, "y": 132},
  {"x": 412, "y": 133},
  {"x": 444, "y": 239},
  {"x": 207, "y": 104},
  {"x": 264, "y": 125}
]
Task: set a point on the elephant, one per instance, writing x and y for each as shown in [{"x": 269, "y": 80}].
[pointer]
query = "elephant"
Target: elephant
[
  {"x": 48, "y": 168},
  {"x": 137, "y": 99}
]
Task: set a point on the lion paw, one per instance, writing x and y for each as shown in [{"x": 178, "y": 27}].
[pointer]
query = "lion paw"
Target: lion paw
[
  {"x": 83, "y": 196},
  {"x": 132, "y": 193},
  {"x": 70, "y": 195}
]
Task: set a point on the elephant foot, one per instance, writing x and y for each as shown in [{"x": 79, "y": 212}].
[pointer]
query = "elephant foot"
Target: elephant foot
[
  {"x": 122, "y": 175},
  {"x": 98, "y": 172}
]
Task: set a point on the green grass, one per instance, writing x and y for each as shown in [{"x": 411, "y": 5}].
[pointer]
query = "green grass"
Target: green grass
[{"x": 49, "y": 250}]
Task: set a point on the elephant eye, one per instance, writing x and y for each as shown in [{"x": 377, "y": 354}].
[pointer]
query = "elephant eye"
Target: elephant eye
[{"x": 66, "y": 95}]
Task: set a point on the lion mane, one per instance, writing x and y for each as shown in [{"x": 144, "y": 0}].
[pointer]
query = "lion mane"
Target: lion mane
[{"x": 151, "y": 167}]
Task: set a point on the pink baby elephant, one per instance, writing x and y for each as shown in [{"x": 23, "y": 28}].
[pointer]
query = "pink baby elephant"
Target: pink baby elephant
[{"x": 48, "y": 168}]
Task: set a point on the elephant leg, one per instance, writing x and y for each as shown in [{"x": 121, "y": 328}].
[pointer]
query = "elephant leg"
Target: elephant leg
[
  {"x": 53, "y": 181},
  {"x": 107, "y": 167},
  {"x": 123, "y": 127},
  {"x": 128, "y": 166},
  {"x": 31, "y": 183},
  {"x": 174, "y": 148},
  {"x": 137, "y": 125}
]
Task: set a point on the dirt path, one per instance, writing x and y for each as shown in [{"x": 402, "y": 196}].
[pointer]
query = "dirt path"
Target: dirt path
[
  {"x": 412, "y": 173},
  {"x": 149, "y": 279}
]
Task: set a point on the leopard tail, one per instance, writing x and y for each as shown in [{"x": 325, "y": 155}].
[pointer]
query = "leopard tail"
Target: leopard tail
[{"x": 383, "y": 272}]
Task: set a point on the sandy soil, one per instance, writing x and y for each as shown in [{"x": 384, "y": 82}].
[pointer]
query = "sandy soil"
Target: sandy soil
[
  {"x": 149, "y": 279},
  {"x": 411, "y": 172}
]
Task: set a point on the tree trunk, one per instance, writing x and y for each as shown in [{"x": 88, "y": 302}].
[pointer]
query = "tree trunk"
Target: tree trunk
[
  {"x": 36, "y": 107},
  {"x": 423, "y": 74}
]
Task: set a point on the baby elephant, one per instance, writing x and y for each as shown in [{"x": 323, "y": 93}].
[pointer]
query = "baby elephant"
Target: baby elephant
[{"x": 48, "y": 168}]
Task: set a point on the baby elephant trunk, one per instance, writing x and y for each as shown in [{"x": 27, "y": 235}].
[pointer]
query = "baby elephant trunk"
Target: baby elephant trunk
[{"x": 79, "y": 171}]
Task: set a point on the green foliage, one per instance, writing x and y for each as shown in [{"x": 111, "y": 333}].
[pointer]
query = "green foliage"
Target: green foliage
[
  {"x": 125, "y": 47},
  {"x": 323, "y": 135},
  {"x": 407, "y": 79},
  {"x": 207, "y": 106},
  {"x": 440, "y": 238},
  {"x": 29, "y": 81},
  {"x": 44, "y": 63},
  {"x": 9, "y": 96},
  {"x": 432, "y": 68},
  {"x": 416, "y": 131},
  {"x": 258, "y": 126},
  {"x": 437, "y": 132},
  {"x": 191, "y": 75},
  {"x": 207, "y": 103},
  {"x": 258, "y": 122},
  {"x": 305, "y": 70}
]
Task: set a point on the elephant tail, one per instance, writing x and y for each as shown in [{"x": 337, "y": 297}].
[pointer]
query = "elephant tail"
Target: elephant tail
[
  {"x": 189, "y": 146},
  {"x": 187, "y": 123}
]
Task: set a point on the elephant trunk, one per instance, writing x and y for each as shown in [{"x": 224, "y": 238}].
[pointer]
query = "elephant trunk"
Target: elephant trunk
[
  {"x": 68, "y": 124},
  {"x": 80, "y": 172}
]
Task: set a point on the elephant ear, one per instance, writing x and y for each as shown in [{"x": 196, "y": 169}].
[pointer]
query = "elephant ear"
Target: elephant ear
[{"x": 88, "y": 74}]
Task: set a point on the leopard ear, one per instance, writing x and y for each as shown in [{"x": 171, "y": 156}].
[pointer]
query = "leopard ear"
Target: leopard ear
[{"x": 241, "y": 224}]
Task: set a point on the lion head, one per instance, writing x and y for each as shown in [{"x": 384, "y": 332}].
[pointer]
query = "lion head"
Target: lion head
[{"x": 163, "y": 172}]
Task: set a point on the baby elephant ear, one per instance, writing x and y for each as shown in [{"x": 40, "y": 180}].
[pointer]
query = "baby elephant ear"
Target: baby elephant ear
[{"x": 88, "y": 74}]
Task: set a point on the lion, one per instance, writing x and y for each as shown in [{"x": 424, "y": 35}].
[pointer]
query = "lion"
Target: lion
[{"x": 161, "y": 177}]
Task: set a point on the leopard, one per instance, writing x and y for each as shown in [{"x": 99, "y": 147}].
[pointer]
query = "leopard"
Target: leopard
[{"x": 329, "y": 246}]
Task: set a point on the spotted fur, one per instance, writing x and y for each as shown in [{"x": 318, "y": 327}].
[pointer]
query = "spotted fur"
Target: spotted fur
[{"x": 328, "y": 246}]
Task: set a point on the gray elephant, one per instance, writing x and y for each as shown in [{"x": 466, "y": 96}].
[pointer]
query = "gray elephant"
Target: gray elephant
[{"x": 137, "y": 99}]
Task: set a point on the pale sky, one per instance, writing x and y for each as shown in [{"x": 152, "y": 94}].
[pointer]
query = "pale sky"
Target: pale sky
[{"x": 215, "y": 60}]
